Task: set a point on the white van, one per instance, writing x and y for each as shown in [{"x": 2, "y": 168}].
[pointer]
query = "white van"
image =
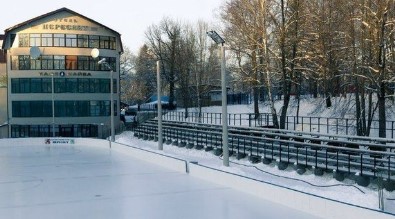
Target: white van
[{"x": 129, "y": 115}]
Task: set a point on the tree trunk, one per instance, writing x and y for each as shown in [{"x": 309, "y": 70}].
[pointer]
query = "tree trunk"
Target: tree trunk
[
  {"x": 382, "y": 117},
  {"x": 255, "y": 89}
]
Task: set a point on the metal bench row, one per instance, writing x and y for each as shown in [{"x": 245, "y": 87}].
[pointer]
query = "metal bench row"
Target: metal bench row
[{"x": 365, "y": 159}]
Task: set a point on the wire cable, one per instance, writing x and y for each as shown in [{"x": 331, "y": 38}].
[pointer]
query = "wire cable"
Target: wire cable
[{"x": 290, "y": 178}]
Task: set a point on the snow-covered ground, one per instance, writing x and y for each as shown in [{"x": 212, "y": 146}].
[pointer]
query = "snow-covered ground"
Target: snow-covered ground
[{"x": 326, "y": 186}]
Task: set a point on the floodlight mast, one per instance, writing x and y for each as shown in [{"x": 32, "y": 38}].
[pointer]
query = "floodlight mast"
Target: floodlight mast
[
  {"x": 225, "y": 149},
  {"x": 95, "y": 53},
  {"x": 103, "y": 61},
  {"x": 216, "y": 37}
]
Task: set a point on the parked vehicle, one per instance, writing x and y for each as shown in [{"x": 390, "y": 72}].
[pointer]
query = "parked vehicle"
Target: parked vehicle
[{"x": 129, "y": 115}]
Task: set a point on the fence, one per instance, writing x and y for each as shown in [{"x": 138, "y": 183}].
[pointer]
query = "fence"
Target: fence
[
  {"x": 343, "y": 155},
  {"x": 301, "y": 123}
]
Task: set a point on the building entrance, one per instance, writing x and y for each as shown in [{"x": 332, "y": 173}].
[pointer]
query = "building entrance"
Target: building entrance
[{"x": 66, "y": 131}]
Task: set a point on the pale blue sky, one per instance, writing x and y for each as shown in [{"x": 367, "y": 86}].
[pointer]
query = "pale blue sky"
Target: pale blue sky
[{"x": 130, "y": 18}]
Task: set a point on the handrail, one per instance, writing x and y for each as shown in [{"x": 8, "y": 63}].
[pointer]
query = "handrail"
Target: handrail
[{"x": 348, "y": 155}]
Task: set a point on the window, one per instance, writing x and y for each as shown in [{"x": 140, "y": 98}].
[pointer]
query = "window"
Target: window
[
  {"x": 24, "y": 85},
  {"x": 71, "y": 62},
  {"x": 59, "y": 40},
  {"x": 94, "y": 41},
  {"x": 34, "y": 131},
  {"x": 71, "y": 108},
  {"x": 86, "y": 130},
  {"x": 94, "y": 108},
  {"x": 71, "y": 85},
  {"x": 106, "y": 108},
  {"x": 114, "y": 86},
  {"x": 83, "y": 62},
  {"x": 84, "y": 108},
  {"x": 83, "y": 85},
  {"x": 35, "y": 85},
  {"x": 24, "y": 62},
  {"x": 104, "y": 42},
  {"x": 36, "y": 109},
  {"x": 94, "y": 86},
  {"x": 31, "y": 108},
  {"x": 20, "y": 108},
  {"x": 66, "y": 40},
  {"x": 59, "y": 62},
  {"x": 35, "y": 64},
  {"x": 112, "y": 61},
  {"x": 23, "y": 40},
  {"x": 47, "y": 85},
  {"x": 45, "y": 131},
  {"x": 46, "y": 109},
  {"x": 93, "y": 65},
  {"x": 46, "y": 39},
  {"x": 99, "y": 108},
  {"x": 104, "y": 85},
  {"x": 47, "y": 62},
  {"x": 15, "y": 85},
  {"x": 115, "y": 108},
  {"x": 60, "y": 108},
  {"x": 112, "y": 43},
  {"x": 60, "y": 85},
  {"x": 71, "y": 40},
  {"x": 18, "y": 131},
  {"x": 83, "y": 41},
  {"x": 35, "y": 39}
]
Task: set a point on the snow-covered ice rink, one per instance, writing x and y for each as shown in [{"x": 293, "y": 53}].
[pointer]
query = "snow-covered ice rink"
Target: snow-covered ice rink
[{"x": 71, "y": 181}]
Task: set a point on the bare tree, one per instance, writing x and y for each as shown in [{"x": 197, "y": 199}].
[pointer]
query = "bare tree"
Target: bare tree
[
  {"x": 247, "y": 33},
  {"x": 127, "y": 68}
]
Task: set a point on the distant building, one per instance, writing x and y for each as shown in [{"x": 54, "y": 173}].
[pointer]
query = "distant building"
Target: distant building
[
  {"x": 3, "y": 92},
  {"x": 54, "y": 85}
]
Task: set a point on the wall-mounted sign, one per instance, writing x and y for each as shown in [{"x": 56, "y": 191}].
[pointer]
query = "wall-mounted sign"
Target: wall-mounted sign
[
  {"x": 66, "y": 74},
  {"x": 68, "y": 27},
  {"x": 68, "y": 23},
  {"x": 59, "y": 141}
]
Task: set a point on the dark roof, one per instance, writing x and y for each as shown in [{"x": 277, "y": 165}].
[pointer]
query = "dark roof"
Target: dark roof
[
  {"x": 55, "y": 12},
  {"x": 2, "y": 52}
]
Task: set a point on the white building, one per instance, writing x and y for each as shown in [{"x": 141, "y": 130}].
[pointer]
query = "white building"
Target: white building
[{"x": 55, "y": 87}]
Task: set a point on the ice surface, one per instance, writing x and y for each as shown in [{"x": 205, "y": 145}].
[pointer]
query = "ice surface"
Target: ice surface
[{"x": 96, "y": 182}]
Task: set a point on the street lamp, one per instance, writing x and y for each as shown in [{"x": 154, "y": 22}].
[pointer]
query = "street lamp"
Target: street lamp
[
  {"x": 225, "y": 150},
  {"x": 159, "y": 104},
  {"x": 95, "y": 53},
  {"x": 53, "y": 105}
]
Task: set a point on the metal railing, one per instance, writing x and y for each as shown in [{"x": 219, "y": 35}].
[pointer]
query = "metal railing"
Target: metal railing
[
  {"x": 361, "y": 156},
  {"x": 301, "y": 123}
]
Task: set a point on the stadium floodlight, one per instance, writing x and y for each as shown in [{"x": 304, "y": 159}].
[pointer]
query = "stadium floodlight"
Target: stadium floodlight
[
  {"x": 216, "y": 37},
  {"x": 225, "y": 149},
  {"x": 95, "y": 53}
]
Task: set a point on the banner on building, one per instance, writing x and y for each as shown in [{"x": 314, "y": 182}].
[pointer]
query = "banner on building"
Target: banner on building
[{"x": 59, "y": 141}]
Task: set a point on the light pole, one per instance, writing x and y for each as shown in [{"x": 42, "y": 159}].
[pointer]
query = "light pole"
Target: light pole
[
  {"x": 53, "y": 107},
  {"x": 225, "y": 150},
  {"x": 159, "y": 104},
  {"x": 95, "y": 53}
]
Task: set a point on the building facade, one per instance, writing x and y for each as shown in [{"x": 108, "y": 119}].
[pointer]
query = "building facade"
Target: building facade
[
  {"x": 3, "y": 92},
  {"x": 55, "y": 87}
]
